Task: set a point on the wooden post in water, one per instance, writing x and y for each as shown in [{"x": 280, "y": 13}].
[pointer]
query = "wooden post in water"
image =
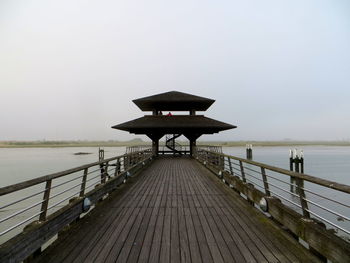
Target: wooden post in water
[
  {"x": 291, "y": 162},
  {"x": 249, "y": 151},
  {"x": 101, "y": 156},
  {"x": 296, "y": 164}
]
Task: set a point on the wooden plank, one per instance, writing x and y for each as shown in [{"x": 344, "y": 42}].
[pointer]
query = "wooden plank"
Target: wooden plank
[
  {"x": 220, "y": 208},
  {"x": 164, "y": 255},
  {"x": 202, "y": 242},
  {"x": 253, "y": 226},
  {"x": 192, "y": 239},
  {"x": 157, "y": 237},
  {"x": 147, "y": 243},
  {"x": 140, "y": 240},
  {"x": 69, "y": 240},
  {"x": 277, "y": 240},
  {"x": 92, "y": 249},
  {"x": 196, "y": 255},
  {"x": 116, "y": 241},
  {"x": 175, "y": 237},
  {"x": 228, "y": 249},
  {"x": 136, "y": 235},
  {"x": 237, "y": 233},
  {"x": 100, "y": 248},
  {"x": 19, "y": 247}
]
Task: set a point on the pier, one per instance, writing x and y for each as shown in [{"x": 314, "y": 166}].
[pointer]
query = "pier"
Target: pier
[
  {"x": 183, "y": 204},
  {"x": 176, "y": 211}
]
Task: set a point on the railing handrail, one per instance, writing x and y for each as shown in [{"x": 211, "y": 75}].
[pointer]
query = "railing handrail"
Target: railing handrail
[
  {"x": 42, "y": 179},
  {"x": 74, "y": 198},
  {"x": 324, "y": 182}
]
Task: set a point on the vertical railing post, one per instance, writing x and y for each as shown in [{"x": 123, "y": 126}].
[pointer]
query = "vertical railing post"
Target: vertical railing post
[
  {"x": 303, "y": 202},
  {"x": 105, "y": 172},
  {"x": 101, "y": 156},
  {"x": 46, "y": 199},
  {"x": 230, "y": 165},
  {"x": 117, "y": 168},
  {"x": 242, "y": 171},
  {"x": 291, "y": 164},
  {"x": 222, "y": 162},
  {"x": 266, "y": 184},
  {"x": 300, "y": 191},
  {"x": 125, "y": 163},
  {"x": 83, "y": 183},
  {"x": 102, "y": 171}
]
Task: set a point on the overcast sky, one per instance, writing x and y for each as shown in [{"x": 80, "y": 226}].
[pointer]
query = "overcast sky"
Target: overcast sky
[{"x": 277, "y": 69}]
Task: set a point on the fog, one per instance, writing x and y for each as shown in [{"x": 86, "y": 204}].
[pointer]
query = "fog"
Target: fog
[{"x": 277, "y": 69}]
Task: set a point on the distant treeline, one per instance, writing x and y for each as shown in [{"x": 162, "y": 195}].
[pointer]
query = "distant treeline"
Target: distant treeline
[
  {"x": 110, "y": 143},
  {"x": 134, "y": 142}
]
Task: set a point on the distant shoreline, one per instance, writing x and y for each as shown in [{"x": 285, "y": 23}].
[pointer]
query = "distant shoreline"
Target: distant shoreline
[{"x": 136, "y": 142}]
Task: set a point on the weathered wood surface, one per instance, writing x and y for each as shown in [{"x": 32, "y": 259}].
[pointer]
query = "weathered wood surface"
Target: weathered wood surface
[{"x": 177, "y": 211}]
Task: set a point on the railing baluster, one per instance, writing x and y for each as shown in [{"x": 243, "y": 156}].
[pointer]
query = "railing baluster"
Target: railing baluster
[
  {"x": 46, "y": 199},
  {"x": 303, "y": 202},
  {"x": 102, "y": 172},
  {"x": 125, "y": 163},
  {"x": 117, "y": 168},
  {"x": 266, "y": 184},
  {"x": 83, "y": 183},
  {"x": 242, "y": 171},
  {"x": 230, "y": 165},
  {"x": 106, "y": 171}
]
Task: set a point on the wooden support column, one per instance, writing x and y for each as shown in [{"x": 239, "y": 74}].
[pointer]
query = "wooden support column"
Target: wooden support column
[
  {"x": 192, "y": 146},
  {"x": 193, "y": 141},
  {"x": 155, "y": 143},
  {"x": 155, "y": 147}
]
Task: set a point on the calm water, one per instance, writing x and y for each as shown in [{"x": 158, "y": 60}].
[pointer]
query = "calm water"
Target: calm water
[
  {"x": 328, "y": 162},
  {"x": 17, "y": 165}
]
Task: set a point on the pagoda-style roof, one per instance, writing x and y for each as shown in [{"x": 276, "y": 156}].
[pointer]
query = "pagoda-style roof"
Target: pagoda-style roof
[
  {"x": 173, "y": 101},
  {"x": 180, "y": 124}
]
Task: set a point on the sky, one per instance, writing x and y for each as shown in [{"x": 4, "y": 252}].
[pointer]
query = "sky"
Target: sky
[{"x": 278, "y": 69}]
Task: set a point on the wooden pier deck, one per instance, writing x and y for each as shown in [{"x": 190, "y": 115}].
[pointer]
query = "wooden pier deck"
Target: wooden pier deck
[{"x": 176, "y": 211}]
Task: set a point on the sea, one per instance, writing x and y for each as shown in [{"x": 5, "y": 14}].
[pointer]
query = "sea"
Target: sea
[{"x": 21, "y": 164}]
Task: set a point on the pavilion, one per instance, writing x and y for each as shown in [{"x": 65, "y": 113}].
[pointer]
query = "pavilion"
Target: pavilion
[{"x": 162, "y": 123}]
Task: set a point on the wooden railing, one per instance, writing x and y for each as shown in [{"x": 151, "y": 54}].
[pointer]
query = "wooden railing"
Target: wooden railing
[
  {"x": 317, "y": 211},
  {"x": 34, "y": 211},
  {"x": 138, "y": 148}
]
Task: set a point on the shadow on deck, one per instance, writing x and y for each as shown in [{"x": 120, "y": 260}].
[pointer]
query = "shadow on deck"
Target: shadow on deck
[{"x": 176, "y": 211}]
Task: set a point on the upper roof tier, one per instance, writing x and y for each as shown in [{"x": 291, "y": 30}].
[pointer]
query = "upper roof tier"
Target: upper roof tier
[{"x": 173, "y": 101}]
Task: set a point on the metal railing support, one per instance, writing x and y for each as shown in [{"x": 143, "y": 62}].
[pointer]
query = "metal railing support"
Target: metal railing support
[
  {"x": 242, "y": 171},
  {"x": 45, "y": 202},
  {"x": 230, "y": 165},
  {"x": 266, "y": 184},
  {"x": 117, "y": 168},
  {"x": 301, "y": 192},
  {"x": 83, "y": 183}
]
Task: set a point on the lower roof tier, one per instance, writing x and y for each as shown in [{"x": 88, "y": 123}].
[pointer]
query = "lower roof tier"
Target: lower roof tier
[{"x": 176, "y": 124}]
